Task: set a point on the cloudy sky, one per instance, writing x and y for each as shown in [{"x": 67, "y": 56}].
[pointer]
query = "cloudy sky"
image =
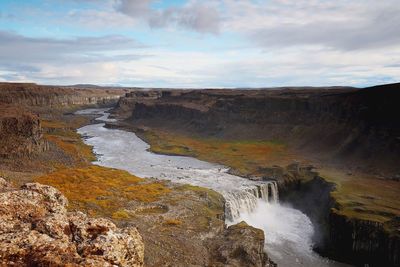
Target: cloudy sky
[{"x": 200, "y": 43}]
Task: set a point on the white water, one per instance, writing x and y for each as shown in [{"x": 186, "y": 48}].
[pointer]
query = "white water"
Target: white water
[{"x": 288, "y": 231}]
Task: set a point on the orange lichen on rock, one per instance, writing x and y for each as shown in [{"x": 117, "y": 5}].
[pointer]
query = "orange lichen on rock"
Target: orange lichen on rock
[{"x": 43, "y": 233}]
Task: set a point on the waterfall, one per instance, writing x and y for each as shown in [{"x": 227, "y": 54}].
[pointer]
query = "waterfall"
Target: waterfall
[
  {"x": 246, "y": 200},
  {"x": 289, "y": 232}
]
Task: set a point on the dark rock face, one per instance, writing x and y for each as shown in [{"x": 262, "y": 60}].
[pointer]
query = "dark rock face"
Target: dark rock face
[
  {"x": 342, "y": 124},
  {"x": 313, "y": 198},
  {"x": 20, "y": 133},
  {"x": 362, "y": 242},
  {"x": 338, "y": 237},
  {"x": 240, "y": 245}
]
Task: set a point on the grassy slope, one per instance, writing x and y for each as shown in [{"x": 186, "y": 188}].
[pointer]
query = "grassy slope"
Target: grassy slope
[
  {"x": 63, "y": 135},
  {"x": 245, "y": 156},
  {"x": 364, "y": 196},
  {"x": 359, "y": 195}
]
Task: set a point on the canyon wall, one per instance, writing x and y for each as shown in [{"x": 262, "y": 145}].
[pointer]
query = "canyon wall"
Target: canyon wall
[
  {"x": 338, "y": 236},
  {"x": 55, "y": 96},
  {"x": 357, "y": 127},
  {"x": 364, "y": 241},
  {"x": 20, "y": 133},
  {"x": 21, "y": 107}
]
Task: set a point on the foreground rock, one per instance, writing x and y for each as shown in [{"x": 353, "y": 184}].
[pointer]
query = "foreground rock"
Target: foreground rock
[
  {"x": 240, "y": 245},
  {"x": 37, "y": 230}
]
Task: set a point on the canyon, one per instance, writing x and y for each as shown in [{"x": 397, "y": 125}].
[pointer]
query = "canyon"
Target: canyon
[
  {"x": 315, "y": 121},
  {"x": 331, "y": 153},
  {"x": 179, "y": 225}
]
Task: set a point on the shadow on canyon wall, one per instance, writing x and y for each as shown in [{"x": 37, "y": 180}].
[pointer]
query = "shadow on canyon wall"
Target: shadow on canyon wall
[{"x": 354, "y": 130}]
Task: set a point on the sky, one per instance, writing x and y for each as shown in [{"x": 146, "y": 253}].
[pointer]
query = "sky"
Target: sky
[{"x": 200, "y": 43}]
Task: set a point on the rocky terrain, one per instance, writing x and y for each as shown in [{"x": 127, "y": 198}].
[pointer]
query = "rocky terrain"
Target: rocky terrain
[
  {"x": 44, "y": 233},
  {"x": 177, "y": 225},
  {"x": 178, "y": 222},
  {"x": 351, "y": 135},
  {"x": 37, "y": 230}
]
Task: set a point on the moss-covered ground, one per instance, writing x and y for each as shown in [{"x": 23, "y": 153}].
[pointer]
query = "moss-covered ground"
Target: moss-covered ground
[
  {"x": 363, "y": 196},
  {"x": 245, "y": 156},
  {"x": 103, "y": 191}
]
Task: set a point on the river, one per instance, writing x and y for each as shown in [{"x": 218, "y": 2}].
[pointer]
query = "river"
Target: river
[{"x": 288, "y": 231}]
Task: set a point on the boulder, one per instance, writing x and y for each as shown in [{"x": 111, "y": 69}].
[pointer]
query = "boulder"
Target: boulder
[
  {"x": 37, "y": 230},
  {"x": 240, "y": 245}
]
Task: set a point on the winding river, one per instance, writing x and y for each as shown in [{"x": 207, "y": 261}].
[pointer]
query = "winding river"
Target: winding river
[{"x": 288, "y": 231}]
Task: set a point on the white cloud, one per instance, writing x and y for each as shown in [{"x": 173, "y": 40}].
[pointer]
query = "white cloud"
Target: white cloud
[
  {"x": 282, "y": 42},
  {"x": 200, "y": 16},
  {"x": 100, "y": 19},
  {"x": 344, "y": 25},
  {"x": 18, "y": 48}
]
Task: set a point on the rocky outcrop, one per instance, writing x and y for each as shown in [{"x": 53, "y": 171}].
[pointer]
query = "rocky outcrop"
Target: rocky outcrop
[
  {"x": 124, "y": 106},
  {"x": 34, "y": 95},
  {"x": 240, "y": 245},
  {"x": 37, "y": 230},
  {"x": 20, "y": 133}
]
